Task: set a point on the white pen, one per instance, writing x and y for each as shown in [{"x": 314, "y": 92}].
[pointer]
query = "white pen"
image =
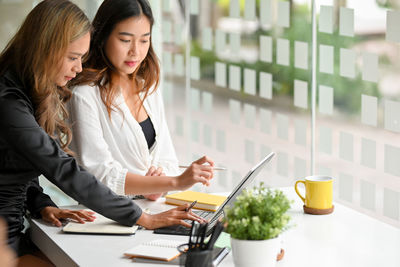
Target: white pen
[{"x": 214, "y": 168}]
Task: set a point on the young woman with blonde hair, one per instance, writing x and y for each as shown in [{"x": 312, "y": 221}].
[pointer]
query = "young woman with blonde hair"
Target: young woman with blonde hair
[
  {"x": 35, "y": 68},
  {"x": 117, "y": 112}
]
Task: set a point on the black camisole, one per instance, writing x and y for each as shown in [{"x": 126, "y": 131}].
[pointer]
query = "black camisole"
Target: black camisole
[{"x": 149, "y": 132}]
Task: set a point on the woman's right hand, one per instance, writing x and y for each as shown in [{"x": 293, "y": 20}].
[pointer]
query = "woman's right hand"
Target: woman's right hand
[
  {"x": 168, "y": 218},
  {"x": 198, "y": 172}
]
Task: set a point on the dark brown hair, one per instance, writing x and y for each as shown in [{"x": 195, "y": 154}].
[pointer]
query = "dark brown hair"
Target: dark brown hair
[
  {"x": 36, "y": 52},
  {"x": 98, "y": 69}
]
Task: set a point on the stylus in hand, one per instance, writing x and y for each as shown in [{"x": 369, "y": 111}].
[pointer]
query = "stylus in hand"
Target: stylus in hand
[{"x": 191, "y": 206}]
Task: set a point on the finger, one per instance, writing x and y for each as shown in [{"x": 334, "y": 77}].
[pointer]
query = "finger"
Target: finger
[
  {"x": 72, "y": 215},
  {"x": 150, "y": 171},
  {"x": 162, "y": 174},
  {"x": 85, "y": 215},
  {"x": 182, "y": 207},
  {"x": 158, "y": 171},
  {"x": 204, "y": 181},
  {"x": 203, "y": 160},
  {"x": 53, "y": 219},
  {"x": 182, "y": 222}
]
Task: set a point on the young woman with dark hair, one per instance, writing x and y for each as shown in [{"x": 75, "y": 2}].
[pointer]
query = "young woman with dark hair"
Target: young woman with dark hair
[{"x": 117, "y": 112}]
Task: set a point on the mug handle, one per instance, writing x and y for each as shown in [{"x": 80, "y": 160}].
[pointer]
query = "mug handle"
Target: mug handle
[{"x": 297, "y": 191}]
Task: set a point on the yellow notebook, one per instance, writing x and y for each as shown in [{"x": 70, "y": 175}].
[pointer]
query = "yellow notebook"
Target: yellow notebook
[{"x": 204, "y": 201}]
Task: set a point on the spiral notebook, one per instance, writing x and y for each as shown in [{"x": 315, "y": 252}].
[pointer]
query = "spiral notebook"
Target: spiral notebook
[{"x": 159, "y": 249}]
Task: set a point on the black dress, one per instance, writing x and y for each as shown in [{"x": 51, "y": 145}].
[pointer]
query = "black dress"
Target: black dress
[{"x": 27, "y": 151}]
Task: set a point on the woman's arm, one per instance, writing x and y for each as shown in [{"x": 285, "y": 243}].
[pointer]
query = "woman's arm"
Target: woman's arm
[{"x": 32, "y": 144}]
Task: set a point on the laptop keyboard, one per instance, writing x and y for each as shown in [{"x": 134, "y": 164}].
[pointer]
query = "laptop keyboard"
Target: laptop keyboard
[{"x": 182, "y": 230}]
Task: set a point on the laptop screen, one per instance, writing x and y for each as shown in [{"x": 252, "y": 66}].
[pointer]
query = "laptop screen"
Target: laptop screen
[{"x": 244, "y": 183}]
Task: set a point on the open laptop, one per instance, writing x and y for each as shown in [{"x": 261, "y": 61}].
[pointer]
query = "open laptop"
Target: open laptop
[{"x": 212, "y": 217}]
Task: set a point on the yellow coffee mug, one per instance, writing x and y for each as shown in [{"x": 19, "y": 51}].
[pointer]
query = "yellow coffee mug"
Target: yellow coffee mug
[{"x": 318, "y": 192}]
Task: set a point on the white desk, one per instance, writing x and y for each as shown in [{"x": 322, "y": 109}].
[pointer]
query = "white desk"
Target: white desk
[{"x": 343, "y": 238}]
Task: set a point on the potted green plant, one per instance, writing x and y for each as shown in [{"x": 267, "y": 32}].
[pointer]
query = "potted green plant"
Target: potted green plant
[{"x": 255, "y": 221}]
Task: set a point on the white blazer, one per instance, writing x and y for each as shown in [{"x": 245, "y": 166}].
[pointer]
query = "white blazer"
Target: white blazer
[{"x": 110, "y": 148}]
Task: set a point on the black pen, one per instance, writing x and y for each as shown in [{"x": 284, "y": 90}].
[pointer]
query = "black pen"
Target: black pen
[{"x": 191, "y": 206}]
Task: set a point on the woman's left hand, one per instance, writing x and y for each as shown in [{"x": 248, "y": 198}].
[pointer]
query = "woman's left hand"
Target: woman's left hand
[
  {"x": 154, "y": 172},
  {"x": 53, "y": 215}
]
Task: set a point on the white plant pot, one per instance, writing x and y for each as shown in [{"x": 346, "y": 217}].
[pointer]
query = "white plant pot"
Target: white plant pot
[{"x": 255, "y": 253}]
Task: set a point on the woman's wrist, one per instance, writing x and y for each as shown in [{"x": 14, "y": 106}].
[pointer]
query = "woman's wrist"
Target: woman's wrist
[{"x": 144, "y": 220}]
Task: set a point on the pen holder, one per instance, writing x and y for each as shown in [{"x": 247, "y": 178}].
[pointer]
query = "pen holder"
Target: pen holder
[{"x": 195, "y": 258}]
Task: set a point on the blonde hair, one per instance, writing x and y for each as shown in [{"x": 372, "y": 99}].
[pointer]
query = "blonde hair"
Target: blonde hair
[{"x": 36, "y": 53}]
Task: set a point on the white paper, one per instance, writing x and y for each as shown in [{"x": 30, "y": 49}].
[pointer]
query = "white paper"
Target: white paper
[
  {"x": 392, "y": 116},
  {"x": 265, "y": 12},
  {"x": 346, "y": 26},
  {"x": 234, "y": 78},
  {"x": 325, "y": 100},
  {"x": 179, "y": 65},
  {"x": 195, "y": 130},
  {"x": 234, "y": 9},
  {"x": 265, "y": 120},
  {"x": 249, "y": 151},
  {"x": 207, "y": 135},
  {"x": 347, "y": 63},
  {"x": 300, "y": 132},
  {"x": 283, "y": 19},
  {"x": 346, "y": 146},
  {"x": 326, "y": 59},
  {"x": 195, "y": 68},
  {"x": 370, "y": 67},
  {"x": 220, "y": 41},
  {"x": 265, "y": 48},
  {"x": 234, "y": 111},
  {"x": 178, "y": 34},
  {"x": 346, "y": 187},
  {"x": 179, "y": 126},
  {"x": 326, "y": 19},
  {"x": 195, "y": 99},
  {"x": 167, "y": 92},
  {"x": 369, "y": 110},
  {"x": 323, "y": 170},
  {"x": 167, "y": 31},
  {"x": 301, "y": 55},
  {"x": 392, "y": 25},
  {"x": 265, "y": 85},
  {"x": 301, "y": 94},
  {"x": 207, "y": 102},
  {"x": 391, "y": 200},
  {"x": 166, "y": 5},
  {"x": 249, "y": 115},
  {"x": 250, "y": 81},
  {"x": 282, "y": 164},
  {"x": 325, "y": 140},
  {"x": 167, "y": 62},
  {"x": 300, "y": 168},
  {"x": 367, "y": 195},
  {"x": 391, "y": 160},
  {"x": 220, "y": 74},
  {"x": 264, "y": 151},
  {"x": 282, "y": 122},
  {"x": 234, "y": 43},
  {"x": 282, "y": 47},
  {"x": 250, "y": 10},
  {"x": 368, "y": 153},
  {"x": 207, "y": 38},
  {"x": 221, "y": 141},
  {"x": 194, "y": 7}
]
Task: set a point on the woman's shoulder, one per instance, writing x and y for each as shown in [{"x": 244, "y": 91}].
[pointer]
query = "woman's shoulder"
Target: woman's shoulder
[{"x": 86, "y": 91}]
